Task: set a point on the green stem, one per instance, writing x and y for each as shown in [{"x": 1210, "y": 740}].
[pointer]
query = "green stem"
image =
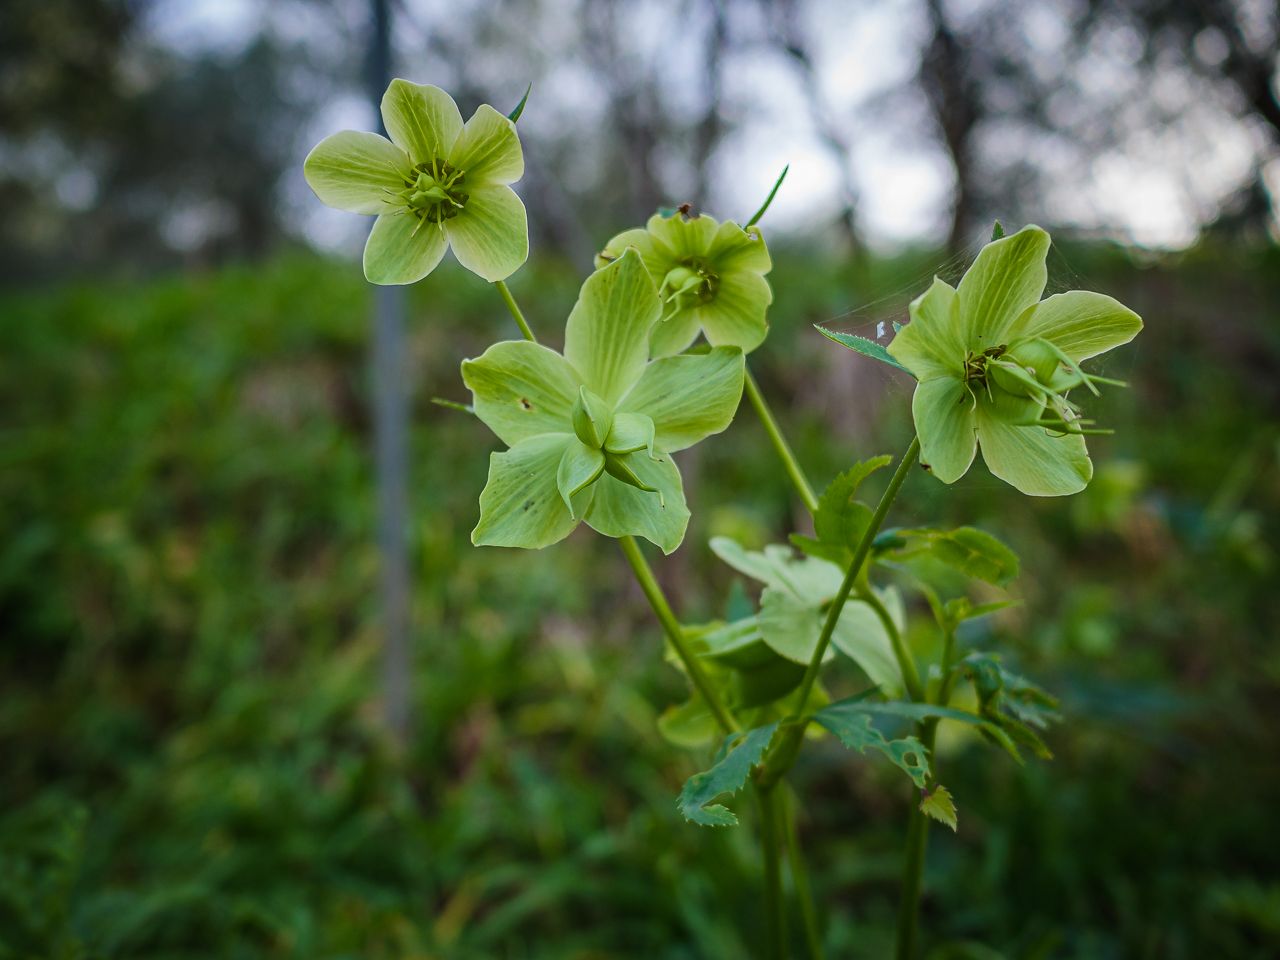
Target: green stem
[
  {"x": 771, "y": 842},
  {"x": 794, "y": 470},
  {"x": 800, "y": 878},
  {"x": 913, "y": 873},
  {"x": 906, "y": 662},
  {"x": 855, "y": 566},
  {"x": 514, "y": 307},
  {"x": 675, "y": 634},
  {"x": 918, "y": 827}
]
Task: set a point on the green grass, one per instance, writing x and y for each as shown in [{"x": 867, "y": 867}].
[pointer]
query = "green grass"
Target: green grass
[{"x": 193, "y": 762}]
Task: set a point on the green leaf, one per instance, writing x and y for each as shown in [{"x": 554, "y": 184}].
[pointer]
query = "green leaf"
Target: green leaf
[
  {"x": 755, "y": 218},
  {"x": 488, "y": 150},
  {"x": 997, "y": 230},
  {"x": 917, "y": 712},
  {"x": 402, "y": 249},
  {"x": 868, "y": 348},
  {"x": 520, "y": 506},
  {"x": 1007, "y": 276},
  {"x": 521, "y": 390},
  {"x": 959, "y": 609},
  {"x": 856, "y": 731},
  {"x": 358, "y": 172},
  {"x": 619, "y": 509},
  {"x": 490, "y": 234},
  {"x": 688, "y": 397},
  {"x": 938, "y": 804},
  {"x": 1012, "y": 702},
  {"x": 1079, "y": 323},
  {"x": 741, "y": 752},
  {"x": 690, "y": 724},
  {"x": 607, "y": 336},
  {"x": 1031, "y": 458},
  {"x": 422, "y": 120},
  {"x": 944, "y": 411},
  {"x": 515, "y": 114},
  {"x": 971, "y": 551},
  {"x": 841, "y": 520},
  {"x": 862, "y": 636}
]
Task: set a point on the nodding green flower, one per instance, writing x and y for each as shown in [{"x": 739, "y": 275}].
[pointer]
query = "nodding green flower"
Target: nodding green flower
[
  {"x": 436, "y": 183},
  {"x": 710, "y": 277},
  {"x": 995, "y": 364},
  {"x": 591, "y": 432}
]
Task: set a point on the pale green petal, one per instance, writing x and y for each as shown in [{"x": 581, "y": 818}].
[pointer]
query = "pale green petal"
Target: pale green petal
[
  {"x": 607, "y": 336},
  {"x": 673, "y": 334},
  {"x": 1007, "y": 277},
  {"x": 1039, "y": 463},
  {"x": 931, "y": 345},
  {"x": 631, "y": 432},
  {"x": 490, "y": 234},
  {"x": 689, "y": 397},
  {"x": 488, "y": 149},
  {"x": 1079, "y": 323},
  {"x": 580, "y": 466},
  {"x": 358, "y": 172},
  {"x": 619, "y": 509},
  {"x": 657, "y": 258},
  {"x": 945, "y": 417},
  {"x": 733, "y": 248},
  {"x": 684, "y": 238},
  {"x": 402, "y": 249},
  {"x": 422, "y": 120},
  {"x": 521, "y": 390},
  {"x": 520, "y": 505},
  {"x": 861, "y": 636},
  {"x": 736, "y": 316}
]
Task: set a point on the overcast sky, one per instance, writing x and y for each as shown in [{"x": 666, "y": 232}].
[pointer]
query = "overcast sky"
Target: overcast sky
[{"x": 1153, "y": 193}]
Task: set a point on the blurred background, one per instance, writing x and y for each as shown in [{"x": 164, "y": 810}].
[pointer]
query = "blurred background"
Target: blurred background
[{"x": 204, "y": 749}]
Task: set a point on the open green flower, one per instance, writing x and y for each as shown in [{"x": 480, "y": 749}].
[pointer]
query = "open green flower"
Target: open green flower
[
  {"x": 592, "y": 432},
  {"x": 995, "y": 363},
  {"x": 436, "y": 183},
  {"x": 710, "y": 277}
]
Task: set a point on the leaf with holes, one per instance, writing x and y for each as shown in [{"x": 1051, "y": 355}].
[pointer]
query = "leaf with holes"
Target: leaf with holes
[{"x": 856, "y": 731}]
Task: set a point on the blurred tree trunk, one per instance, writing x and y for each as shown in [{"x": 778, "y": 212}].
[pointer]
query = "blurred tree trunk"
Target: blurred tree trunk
[{"x": 956, "y": 103}]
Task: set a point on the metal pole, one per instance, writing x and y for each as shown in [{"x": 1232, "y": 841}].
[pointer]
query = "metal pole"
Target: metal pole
[{"x": 391, "y": 428}]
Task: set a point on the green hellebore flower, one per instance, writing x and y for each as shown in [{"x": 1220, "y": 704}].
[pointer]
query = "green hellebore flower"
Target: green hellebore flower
[
  {"x": 710, "y": 277},
  {"x": 436, "y": 183},
  {"x": 591, "y": 432},
  {"x": 994, "y": 363}
]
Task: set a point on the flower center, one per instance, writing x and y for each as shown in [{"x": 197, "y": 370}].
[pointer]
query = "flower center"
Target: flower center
[
  {"x": 688, "y": 284},
  {"x": 975, "y": 364},
  {"x": 436, "y": 192}
]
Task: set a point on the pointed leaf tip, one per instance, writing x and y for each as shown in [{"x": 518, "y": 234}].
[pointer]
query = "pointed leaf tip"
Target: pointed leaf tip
[{"x": 514, "y": 115}]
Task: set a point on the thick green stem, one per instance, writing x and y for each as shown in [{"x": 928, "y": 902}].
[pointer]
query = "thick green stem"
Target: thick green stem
[
  {"x": 855, "y": 567},
  {"x": 514, "y": 307},
  {"x": 794, "y": 470},
  {"x": 918, "y": 827},
  {"x": 800, "y": 878},
  {"x": 771, "y": 843},
  {"x": 912, "y": 874},
  {"x": 675, "y": 633}
]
